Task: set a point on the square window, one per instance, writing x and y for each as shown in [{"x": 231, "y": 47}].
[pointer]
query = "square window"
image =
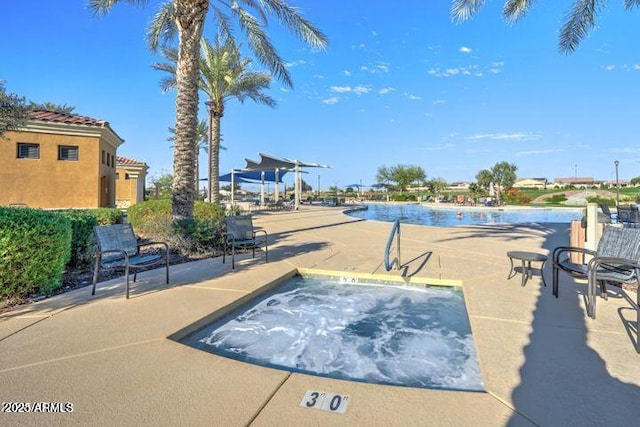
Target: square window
[
  {"x": 67, "y": 152},
  {"x": 103, "y": 157},
  {"x": 28, "y": 151}
]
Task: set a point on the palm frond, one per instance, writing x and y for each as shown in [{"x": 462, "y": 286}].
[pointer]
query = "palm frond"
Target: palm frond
[
  {"x": 262, "y": 47},
  {"x": 162, "y": 28},
  {"x": 580, "y": 20},
  {"x": 629, "y": 4},
  {"x": 291, "y": 18},
  {"x": 515, "y": 9},
  {"x": 101, "y": 7},
  {"x": 462, "y": 10}
]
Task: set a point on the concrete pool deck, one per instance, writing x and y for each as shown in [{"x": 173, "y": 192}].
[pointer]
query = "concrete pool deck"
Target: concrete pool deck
[{"x": 543, "y": 361}]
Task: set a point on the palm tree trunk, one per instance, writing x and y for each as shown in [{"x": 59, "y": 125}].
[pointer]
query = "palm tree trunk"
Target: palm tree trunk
[
  {"x": 214, "y": 154},
  {"x": 189, "y": 17},
  {"x": 196, "y": 182}
]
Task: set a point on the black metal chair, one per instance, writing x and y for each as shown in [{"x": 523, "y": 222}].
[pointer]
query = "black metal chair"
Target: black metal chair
[
  {"x": 241, "y": 234},
  {"x": 118, "y": 248},
  {"x": 606, "y": 213},
  {"x": 629, "y": 215},
  {"x": 617, "y": 259}
]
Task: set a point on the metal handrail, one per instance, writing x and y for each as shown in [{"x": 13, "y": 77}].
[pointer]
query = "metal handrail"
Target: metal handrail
[{"x": 394, "y": 231}]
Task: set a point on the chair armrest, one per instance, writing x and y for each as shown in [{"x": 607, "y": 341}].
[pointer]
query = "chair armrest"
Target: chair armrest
[
  {"x": 114, "y": 251},
  {"x": 259, "y": 231},
  {"x": 568, "y": 249},
  {"x": 226, "y": 237},
  {"x": 613, "y": 263}
]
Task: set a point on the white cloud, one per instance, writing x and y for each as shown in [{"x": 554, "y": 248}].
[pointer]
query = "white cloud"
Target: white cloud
[
  {"x": 385, "y": 90},
  {"x": 413, "y": 97},
  {"x": 331, "y": 101},
  {"x": 513, "y": 136},
  {"x": 359, "y": 90},
  {"x": 469, "y": 70},
  {"x": 609, "y": 67},
  {"x": 374, "y": 33},
  {"x": 636, "y": 66},
  {"x": 318, "y": 76},
  {"x": 379, "y": 68},
  {"x": 341, "y": 89},
  {"x": 438, "y": 147},
  {"x": 465, "y": 49},
  {"x": 439, "y": 101},
  {"x": 295, "y": 63},
  {"x": 535, "y": 152},
  {"x": 347, "y": 72}
]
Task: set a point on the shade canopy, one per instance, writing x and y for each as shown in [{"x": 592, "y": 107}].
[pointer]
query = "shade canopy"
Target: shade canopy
[
  {"x": 253, "y": 176},
  {"x": 271, "y": 163}
]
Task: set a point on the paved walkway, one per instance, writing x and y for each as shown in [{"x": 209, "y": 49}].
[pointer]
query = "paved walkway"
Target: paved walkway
[{"x": 543, "y": 361}]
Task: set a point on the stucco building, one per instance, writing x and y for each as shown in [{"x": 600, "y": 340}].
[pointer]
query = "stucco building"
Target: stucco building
[
  {"x": 130, "y": 177},
  {"x": 59, "y": 160}
]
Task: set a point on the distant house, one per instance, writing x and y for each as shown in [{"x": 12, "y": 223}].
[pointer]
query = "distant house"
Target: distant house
[
  {"x": 539, "y": 183},
  {"x": 458, "y": 185},
  {"x": 59, "y": 160},
  {"x": 580, "y": 182},
  {"x": 621, "y": 182},
  {"x": 130, "y": 177}
]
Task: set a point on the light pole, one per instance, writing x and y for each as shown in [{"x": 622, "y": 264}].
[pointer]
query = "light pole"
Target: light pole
[{"x": 617, "y": 184}]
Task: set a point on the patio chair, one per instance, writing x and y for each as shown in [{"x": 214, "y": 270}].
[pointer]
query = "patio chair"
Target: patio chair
[
  {"x": 241, "y": 234},
  {"x": 606, "y": 214},
  {"x": 118, "y": 248},
  {"x": 629, "y": 215},
  {"x": 617, "y": 252}
]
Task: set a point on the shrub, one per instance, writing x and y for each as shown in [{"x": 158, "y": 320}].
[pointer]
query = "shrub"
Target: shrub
[
  {"x": 517, "y": 197},
  {"x": 598, "y": 199},
  {"x": 152, "y": 219},
  {"x": 556, "y": 198},
  {"x": 82, "y": 236},
  {"x": 34, "y": 249},
  {"x": 107, "y": 216}
]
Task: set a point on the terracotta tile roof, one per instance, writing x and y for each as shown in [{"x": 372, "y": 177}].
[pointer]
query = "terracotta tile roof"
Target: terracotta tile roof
[
  {"x": 128, "y": 162},
  {"x": 71, "y": 119}
]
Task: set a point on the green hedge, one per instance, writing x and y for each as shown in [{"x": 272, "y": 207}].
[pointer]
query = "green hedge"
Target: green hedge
[
  {"x": 107, "y": 216},
  {"x": 152, "y": 219},
  {"x": 34, "y": 249},
  {"x": 83, "y": 238}
]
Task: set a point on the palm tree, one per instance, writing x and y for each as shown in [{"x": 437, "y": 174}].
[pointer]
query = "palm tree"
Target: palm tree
[
  {"x": 580, "y": 20},
  {"x": 224, "y": 74},
  {"x": 202, "y": 140},
  {"x": 186, "y": 19},
  {"x": 51, "y": 106}
]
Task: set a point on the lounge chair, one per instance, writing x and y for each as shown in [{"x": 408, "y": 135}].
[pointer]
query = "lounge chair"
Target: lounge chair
[
  {"x": 118, "y": 248},
  {"x": 241, "y": 234}
]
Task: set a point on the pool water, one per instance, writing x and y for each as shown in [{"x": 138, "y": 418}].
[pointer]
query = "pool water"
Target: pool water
[
  {"x": 397, "y": 335},
  {"x": 450, "y": 216}
]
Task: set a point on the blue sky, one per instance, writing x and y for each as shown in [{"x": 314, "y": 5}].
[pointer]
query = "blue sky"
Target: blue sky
[{"x": 399, "y": 84}]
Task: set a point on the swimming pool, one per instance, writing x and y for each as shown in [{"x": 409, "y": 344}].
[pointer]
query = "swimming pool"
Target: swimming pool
[
  {"x": 369, "y": 332},
  {"x": 451, "y": 216}
]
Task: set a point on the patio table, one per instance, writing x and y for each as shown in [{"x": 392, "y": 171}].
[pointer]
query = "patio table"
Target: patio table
[{"x": 527, "y": 258}]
